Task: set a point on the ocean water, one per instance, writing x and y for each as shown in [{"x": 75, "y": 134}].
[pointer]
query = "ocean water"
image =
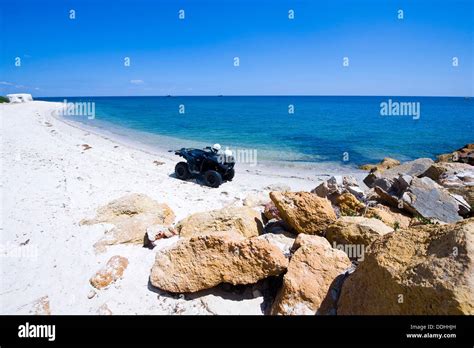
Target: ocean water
[{"x": 345, "y": 130}]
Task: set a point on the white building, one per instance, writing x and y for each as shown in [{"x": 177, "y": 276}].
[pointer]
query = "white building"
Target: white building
[{"x": 19, "y": 98}]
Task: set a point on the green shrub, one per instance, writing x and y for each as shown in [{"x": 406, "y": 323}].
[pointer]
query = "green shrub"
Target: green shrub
[
  {"x": 424, "y": 220},
  {"x": 4, "y": 99}
]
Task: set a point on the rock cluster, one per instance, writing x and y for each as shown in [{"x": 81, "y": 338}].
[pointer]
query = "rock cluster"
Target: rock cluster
[
  {"x": 403, "y": 246},
  {"x": 457, "y": 178},
  {"x": 338, "y": 185},
  {"x": 463, "y": 155},
  {"x": 385, "y": 178}
]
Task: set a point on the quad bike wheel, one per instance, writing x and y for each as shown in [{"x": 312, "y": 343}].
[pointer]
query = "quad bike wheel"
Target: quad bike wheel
[
  {"x": 182, "y": 171},
  {"x": 229, "y": 175},
  {"x": 212, "y": 178}
]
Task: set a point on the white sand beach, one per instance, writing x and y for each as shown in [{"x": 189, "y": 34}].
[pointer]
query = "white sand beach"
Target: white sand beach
[{"x": 51, "y": 181}]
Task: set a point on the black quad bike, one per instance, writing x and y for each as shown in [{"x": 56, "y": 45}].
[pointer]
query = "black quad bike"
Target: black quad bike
[{"x": 214, "y": 167}]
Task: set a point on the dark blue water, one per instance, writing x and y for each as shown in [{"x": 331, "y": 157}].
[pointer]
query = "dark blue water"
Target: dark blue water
[{"x": 321, "y": 128}]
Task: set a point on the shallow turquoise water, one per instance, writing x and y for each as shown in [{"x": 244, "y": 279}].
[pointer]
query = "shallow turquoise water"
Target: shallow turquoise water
[{"x": 350, "y": 130}]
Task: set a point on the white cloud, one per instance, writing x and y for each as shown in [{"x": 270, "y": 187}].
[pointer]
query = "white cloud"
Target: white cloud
[
  {"x": 6, "y": 83},
  {"x": 136, "y": 82},
  {"x": 20, "y": 86}
]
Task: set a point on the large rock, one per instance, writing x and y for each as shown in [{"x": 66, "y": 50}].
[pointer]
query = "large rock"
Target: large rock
[
  {"x": 386, "y": 163},
  {"x": 440, "y": 170},
  {"x": 457, "y": 178},
  {"x": 312, "y": 269},
  {"x": 423, "y": 197},
  {"x": 305, "y": 212},
  {"x": 112, "y": 271},
  {"x": 202, "y": 262},
  {"x": 356, "y": 230},
  {"x": 243, "y": 220},
  {"x": 130, "y": 206},
  {"x": 132, "y": 215},
  {"x": 464, "y": 155},
  {"x": 412, "y": 168},
  {"x": 426, "y": 270}
]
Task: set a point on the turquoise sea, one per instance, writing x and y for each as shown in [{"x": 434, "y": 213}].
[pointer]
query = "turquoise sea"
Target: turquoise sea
[{"x": 349, "y": 130}]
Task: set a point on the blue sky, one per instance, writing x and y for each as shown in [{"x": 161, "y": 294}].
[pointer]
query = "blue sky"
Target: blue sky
[{"x": 304, "y": 56}]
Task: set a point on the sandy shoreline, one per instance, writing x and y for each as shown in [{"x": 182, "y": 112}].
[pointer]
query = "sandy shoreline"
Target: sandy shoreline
[{"x": 51, "y": 182}]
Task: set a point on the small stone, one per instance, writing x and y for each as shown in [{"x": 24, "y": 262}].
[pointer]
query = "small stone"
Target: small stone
[
  {"x": 110, "y": 273},
  {"x": 91, "y": 294}
]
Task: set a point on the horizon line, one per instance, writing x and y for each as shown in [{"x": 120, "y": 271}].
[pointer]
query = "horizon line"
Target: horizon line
[{"x": 255, "y": 95}]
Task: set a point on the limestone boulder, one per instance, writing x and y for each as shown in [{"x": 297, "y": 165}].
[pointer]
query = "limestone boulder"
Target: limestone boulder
[
  {"x": 314, "y": 266},
  {"x": 386, "y": 163},
  {"x": 243, "y": 220},
  {"x": 356, "y": 230},
  {"x": 305, "y": 212},
  {"x": 204, "y": 261},
  {"x": 131, "y": 215},
  {"x": 424, "y": 270},
  {"x": 129, "y": 206}
]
